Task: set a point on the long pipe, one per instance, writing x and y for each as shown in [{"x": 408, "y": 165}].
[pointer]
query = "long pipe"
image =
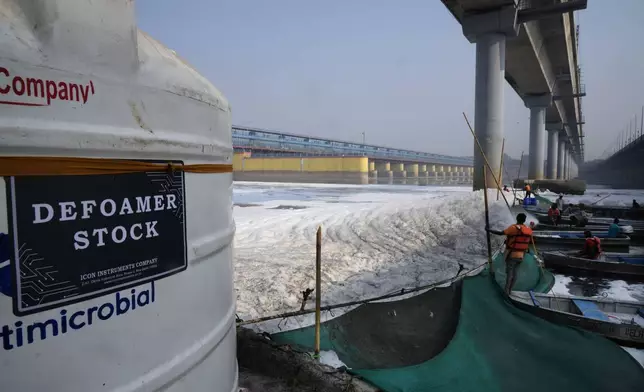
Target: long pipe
[
  {"x": 487, "y": 163},
  {"x": 487, "y": 222},
  {"x": 318, "y": 287},
  {"x": 517, "y": 179},
  {"x": 500, "y": 167}
]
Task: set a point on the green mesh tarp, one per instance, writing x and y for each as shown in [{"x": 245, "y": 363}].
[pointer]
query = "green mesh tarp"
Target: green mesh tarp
[
  {"x": 485, "y": 344},
  {"x": 529, "y": 275}
]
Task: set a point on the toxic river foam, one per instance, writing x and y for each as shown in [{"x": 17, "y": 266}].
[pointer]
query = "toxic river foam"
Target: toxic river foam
[{"x": 376, "y": 240}]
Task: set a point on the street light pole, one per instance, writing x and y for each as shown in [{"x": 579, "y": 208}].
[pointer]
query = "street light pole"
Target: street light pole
[{"x": 363, "y": 137}]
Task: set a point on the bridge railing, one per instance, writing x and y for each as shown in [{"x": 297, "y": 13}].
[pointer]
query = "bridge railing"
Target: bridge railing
[
  {"x": 251, "y": 138},
  {"x": 631, "y": 135}
]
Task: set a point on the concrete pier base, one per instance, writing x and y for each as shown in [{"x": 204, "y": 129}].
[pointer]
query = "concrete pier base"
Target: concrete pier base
[
  {"x": 373, "y": 177},
  {"x": 567, "y": 187},
  {"x": 385, "y": 177},
  {"x": 400, "y": 177}
]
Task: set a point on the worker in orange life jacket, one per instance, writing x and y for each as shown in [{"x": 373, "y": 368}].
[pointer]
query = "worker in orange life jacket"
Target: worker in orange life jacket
[
  {"x": 517, "y": 242},
  {"x": 592, "y": 246},
  {"x": 554, "y": 214}
]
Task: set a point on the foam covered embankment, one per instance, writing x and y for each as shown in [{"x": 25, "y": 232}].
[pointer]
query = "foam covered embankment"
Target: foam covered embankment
[{"x": 373, "y": 244}]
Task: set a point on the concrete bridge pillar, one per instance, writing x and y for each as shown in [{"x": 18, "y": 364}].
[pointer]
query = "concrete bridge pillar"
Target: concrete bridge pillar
[
  {"x": 553, "y": 147},
  {"x": 537, "y": 105},
  {"x": 573, "y": 169},
  {"x": 440, "y": 172},
  {"x": 373, "y": 173},
  {"x": 399, "y": 173},
  {"x": 561, "y": 156},
  {"x": 448, "y": 173},
  {"x": 489, "y": 31},
  {"x": 423, "y": 174},
  {"x": 432, "y": 174},
  {"x": 566, "y": 161},
  {"x": 384, "y": 173},
  {"x": 457, "y": 173},
  {"x": 411, "y": 170}
]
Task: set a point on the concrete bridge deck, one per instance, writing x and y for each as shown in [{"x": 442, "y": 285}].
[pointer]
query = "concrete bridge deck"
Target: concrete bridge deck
[{"x": 533, "y": 46}]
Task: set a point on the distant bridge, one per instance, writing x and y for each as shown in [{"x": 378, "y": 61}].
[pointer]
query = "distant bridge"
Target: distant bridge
[
  {"x": 623, "y": 169},
  {"x": 274, "y": 143}
]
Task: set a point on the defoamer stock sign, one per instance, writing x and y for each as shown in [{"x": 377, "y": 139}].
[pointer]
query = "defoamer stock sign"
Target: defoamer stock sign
[{"x": 76, "y": 237}]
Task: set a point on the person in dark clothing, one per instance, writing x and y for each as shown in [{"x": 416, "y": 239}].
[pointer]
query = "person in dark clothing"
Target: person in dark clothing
[
  {"x": 635, "y": 204},
  {"x": 554, "y": 214}
]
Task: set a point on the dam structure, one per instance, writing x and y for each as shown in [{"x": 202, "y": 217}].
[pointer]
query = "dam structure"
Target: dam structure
[{"x": 272, "y": 156}]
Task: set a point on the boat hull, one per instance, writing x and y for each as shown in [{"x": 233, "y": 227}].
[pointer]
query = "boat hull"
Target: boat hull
[
  {"x": 575, "y": 240},
  {"x": 631, "y": 335},
  {"x": 604, "y": 268}
]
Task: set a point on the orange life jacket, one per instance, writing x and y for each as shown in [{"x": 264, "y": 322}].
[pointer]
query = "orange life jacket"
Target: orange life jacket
[
  {"x": 527, "y": 187},
  {"x": 520, "y": 240},
  {"x": 593, "y": 247}
]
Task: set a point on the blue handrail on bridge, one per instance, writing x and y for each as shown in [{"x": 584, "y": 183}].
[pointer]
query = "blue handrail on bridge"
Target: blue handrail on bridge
[{"x": 247, "y": 137}]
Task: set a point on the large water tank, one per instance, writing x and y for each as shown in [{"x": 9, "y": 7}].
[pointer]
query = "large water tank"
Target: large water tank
[{"x": 114, "y": 282}]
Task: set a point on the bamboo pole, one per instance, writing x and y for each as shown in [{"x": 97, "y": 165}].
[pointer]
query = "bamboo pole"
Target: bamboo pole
[
  {"x": 605, "y": 197},
  {"x": 498, "y": 187},
  {"x": 500, "y": 168},
  {"x": 318, "y": 288},
  {"x": 517, "y": 179},
  {"x": 487, "y": 164},
  {"x": 487, "y": 224}
]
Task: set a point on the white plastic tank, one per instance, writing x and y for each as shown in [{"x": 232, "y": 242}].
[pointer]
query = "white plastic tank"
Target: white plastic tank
[{"x": 111, "y": 282}]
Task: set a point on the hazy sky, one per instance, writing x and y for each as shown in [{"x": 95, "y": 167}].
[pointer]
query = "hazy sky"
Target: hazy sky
[{"x": 401, "y": 71}]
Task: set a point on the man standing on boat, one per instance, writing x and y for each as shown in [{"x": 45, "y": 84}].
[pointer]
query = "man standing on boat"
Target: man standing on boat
[
  {"x": 560, "y": 203},
  {"x": 554, "y": 214},
  {"x": 528, "y": 190},
  {"x": 517, "y": 242}
]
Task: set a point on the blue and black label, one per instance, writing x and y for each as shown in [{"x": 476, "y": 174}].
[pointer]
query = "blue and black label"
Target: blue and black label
[{"x": 77, "y": 237}]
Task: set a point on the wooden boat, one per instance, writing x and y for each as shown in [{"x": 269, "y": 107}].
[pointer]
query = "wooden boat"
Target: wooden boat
[
  {"x": 636, "y": 235},
  {"x": 575, "y": 239},
  {"x": 542, "y": 216},
  {"x": 621, "y": 321},
  {"x": 616, "y": 212},
  {"x": 628, "y": 230},
  {"x": 628, "y": 267}
]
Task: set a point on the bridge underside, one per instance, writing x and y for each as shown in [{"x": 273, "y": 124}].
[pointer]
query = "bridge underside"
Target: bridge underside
[{"x": 533, "y": 46}]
